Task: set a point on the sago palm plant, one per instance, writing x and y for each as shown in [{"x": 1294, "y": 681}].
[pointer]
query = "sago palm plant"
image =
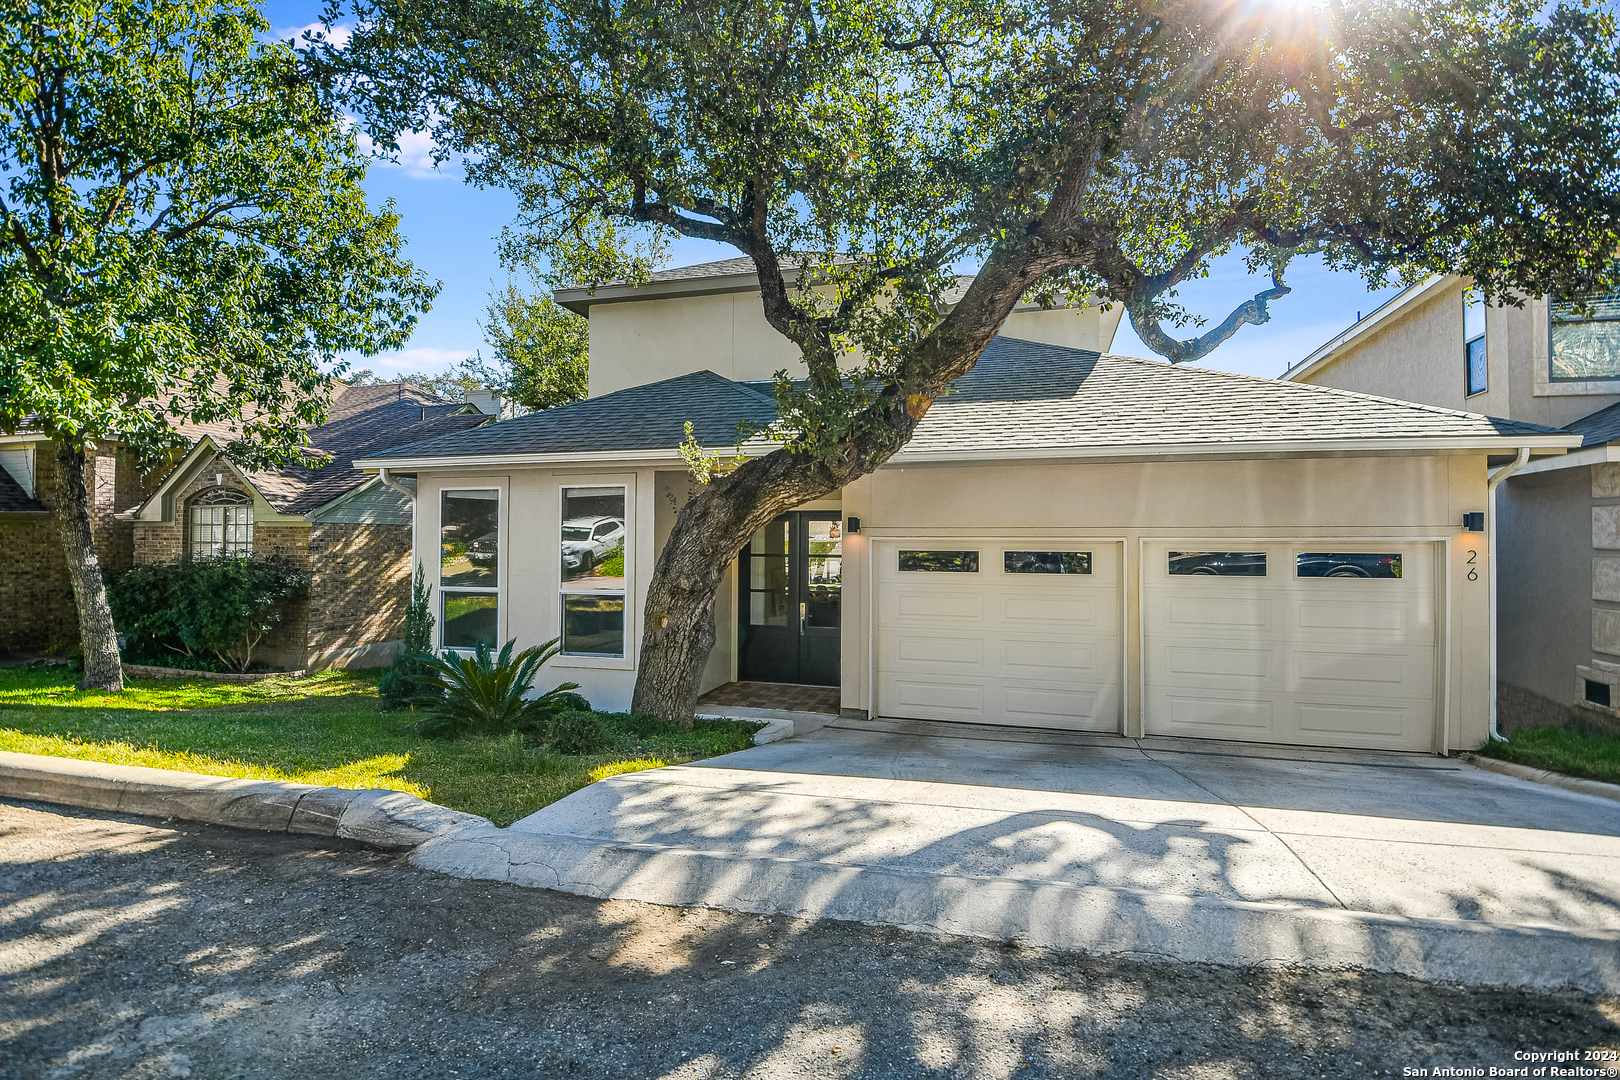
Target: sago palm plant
[{"x": 485, "y": 694}]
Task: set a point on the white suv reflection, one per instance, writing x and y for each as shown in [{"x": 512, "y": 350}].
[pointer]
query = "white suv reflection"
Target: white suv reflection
[{"x": 587, "y": 540}]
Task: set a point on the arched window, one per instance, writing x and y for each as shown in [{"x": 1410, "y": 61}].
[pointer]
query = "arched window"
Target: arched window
[{"x": 220, "y": 522}]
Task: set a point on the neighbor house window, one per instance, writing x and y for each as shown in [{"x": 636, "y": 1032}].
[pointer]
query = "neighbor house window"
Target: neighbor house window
[
  {"x": 220, "y": 522},
  {"x": 1586, "y": 337},
  {"x": 940, "y": 562},
  {"x": 1474, "y": 341},
  {"x": 469, "y": 567},
  {"x": 593, "y": 550}
]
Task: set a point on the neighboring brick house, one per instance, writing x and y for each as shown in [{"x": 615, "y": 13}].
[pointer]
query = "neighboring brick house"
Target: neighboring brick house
[
  {"x": 349, "y": 530},
  {"x": 35, "y": 594}
]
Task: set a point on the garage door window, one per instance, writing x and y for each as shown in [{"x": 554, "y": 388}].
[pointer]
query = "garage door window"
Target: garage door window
[
  {"x": 1347, "y": 564},
  {"x": 1217, "y": 564},
  {"x": 941, "y": 562},
  {"x": 1046, "y": 562}
]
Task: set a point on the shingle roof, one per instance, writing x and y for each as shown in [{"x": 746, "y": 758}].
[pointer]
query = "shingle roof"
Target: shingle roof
[
  {"x": 1023, "y": 394},
  {"x": 14, "y": 500},
  {"x": 362, "y": 421},
  {"x": 649, "y": 417},
  {"x": 1598, "y": 428}
]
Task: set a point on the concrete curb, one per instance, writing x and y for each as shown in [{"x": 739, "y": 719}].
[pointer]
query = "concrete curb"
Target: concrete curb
[
  {"x": 1056, "y": 915},
  {"x": 380, "y": 818},
  {"x": 1542, "y": 776}
]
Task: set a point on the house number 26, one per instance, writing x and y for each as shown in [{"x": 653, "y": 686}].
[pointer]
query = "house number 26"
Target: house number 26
[{"x": 1473, "y": 571}]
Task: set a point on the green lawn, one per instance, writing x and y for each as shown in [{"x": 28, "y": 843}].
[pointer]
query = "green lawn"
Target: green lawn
[
  {"x": 1561, "y": 750},
  {"x": 322, "y": 729}
]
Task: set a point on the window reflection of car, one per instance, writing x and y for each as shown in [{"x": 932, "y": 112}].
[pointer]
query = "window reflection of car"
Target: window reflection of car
[
  {"x": 1222, "y": 563},
  {"x": 482, "y": 550},
  {"x": 1365, "y": 564},
  {"x": 586, "y": 541}
]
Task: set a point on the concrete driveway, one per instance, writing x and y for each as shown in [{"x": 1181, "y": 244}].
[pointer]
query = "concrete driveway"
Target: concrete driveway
[{"x": 1180, "y": 848}]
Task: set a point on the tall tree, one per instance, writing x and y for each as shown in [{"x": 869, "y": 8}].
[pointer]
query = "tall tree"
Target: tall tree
[
  {"x": 541, "y": 349},
  {"x": 183, "y": 239},
  {"x": 1068, "y": 148}
]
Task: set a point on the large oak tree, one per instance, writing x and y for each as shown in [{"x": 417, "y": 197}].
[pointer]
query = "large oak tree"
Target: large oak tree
[
  {"x": 860, "y": 151},
  {"x": 183, "y": 240}
]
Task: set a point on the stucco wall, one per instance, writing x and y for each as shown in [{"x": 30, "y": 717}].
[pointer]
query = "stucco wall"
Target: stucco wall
[
  {"x": 1418, "y": 356},
  {"x": 650, "y": 340},
  {"x": 1544, "y": 598}
]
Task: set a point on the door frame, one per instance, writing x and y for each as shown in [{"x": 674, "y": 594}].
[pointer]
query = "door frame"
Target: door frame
[
  {"x": 1440, "y": 545},
  {"x": 945, "y": 539},
  {"x": 798, "y": 581}
]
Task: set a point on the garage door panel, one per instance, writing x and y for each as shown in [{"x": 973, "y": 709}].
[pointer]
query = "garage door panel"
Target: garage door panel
[
  {"x": 1212, "y": 612},
  {"x": 947, "y": 652},
  {"x": 1023, "y": 649},
  {"x": 1235, "y": 715},
  {"x": 1048, "y": 659},
  {"x": 959, "y": 698},
  {"x": 951, "y": 605},
  {"x": 1324, "y": 719},
  {"x": 1320, "y": 661},
  {"x": 1025, "y": 610},
  {"x": 1220, "y": 662}
]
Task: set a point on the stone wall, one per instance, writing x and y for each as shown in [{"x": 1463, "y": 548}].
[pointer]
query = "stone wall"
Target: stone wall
[{"x": 361, "y": 588}]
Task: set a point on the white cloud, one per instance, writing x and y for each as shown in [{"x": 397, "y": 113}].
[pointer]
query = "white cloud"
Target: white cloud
[
  {"x": 415, "y": 154},
  {"x": 428, "y": 361},
  {"x": 337, "y": 35}
]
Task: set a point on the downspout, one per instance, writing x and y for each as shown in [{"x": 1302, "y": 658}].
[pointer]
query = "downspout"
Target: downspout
[
  {"x": 1490, "y": 536},
  {"x": 389, "y": 481}
]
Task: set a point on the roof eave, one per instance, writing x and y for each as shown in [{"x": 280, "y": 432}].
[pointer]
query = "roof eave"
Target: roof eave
[{"x": 669, "y": 456}]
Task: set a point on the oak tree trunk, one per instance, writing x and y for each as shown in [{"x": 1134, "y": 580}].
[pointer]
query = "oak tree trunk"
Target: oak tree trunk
[{"x": 97, "y": 638}]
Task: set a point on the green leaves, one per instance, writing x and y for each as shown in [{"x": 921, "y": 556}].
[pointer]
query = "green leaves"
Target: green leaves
[
  {"x": 542, "y": 350},
  {"x": 183, "y": 236},
  {"x": 222, "y": 606},
  {"x": 485, "y": 694}
]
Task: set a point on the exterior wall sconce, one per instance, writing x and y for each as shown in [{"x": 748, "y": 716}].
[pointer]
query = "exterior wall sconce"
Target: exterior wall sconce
[
  {"x": 854, "y": 525},
  {"x": 1474, "y": 522}
]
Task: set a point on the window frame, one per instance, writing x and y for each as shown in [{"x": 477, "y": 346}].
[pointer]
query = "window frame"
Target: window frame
[
  {"x": 501, "y": 564},
  {"x": 1572, "y": 384},
  {"x": 1470, "y": 299},
  {"x": 625, "y": 658},
  {"x": 240, "y": 501}
]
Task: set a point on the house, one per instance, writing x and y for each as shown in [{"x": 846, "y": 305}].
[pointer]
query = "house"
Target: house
[
  {"x": 349, "y": 530},
  {"x": 1557, "y": 518},
  {"x": 1072, "y": 541}
]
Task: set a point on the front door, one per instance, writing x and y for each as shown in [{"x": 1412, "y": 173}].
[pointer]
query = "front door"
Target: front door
[{"x": 791, "y": 600}]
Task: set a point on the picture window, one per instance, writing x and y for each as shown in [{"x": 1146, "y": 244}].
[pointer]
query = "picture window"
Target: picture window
[
  {"x": 1585, "y": 334},
  {"x": 593, "y": 573},
  {"x": 469, "y": 568},
  {"x": 220, "y": 524}
]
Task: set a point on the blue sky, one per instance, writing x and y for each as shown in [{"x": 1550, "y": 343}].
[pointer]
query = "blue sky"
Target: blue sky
[{"x": 452, "y": 229}]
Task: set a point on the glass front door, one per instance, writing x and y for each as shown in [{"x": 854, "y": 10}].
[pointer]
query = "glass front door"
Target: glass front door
[{"x": 792, "y": 600}]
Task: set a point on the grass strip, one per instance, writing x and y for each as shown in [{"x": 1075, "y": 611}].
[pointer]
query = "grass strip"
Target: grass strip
[
  {"x": 1561, "y": 750},
  {"x": 326, "y": 729}
]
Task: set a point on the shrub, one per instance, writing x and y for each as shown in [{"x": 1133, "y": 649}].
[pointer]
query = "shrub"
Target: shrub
[
  {"x": 480, "y": 693},
  {"x": 576, "y": 731},
  {"x": 399, "y": 683},
  {"x": 224, "y": 607}
]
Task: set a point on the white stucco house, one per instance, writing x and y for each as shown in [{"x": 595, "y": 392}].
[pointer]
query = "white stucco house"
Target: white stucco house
[
  {"x": 1558, "y": 517},
  {"x": 1073, "y": 541}
]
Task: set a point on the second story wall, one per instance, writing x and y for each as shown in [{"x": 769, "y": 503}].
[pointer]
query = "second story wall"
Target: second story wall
[
  {"x": 640, "y": 341},
  {"x": 1416, "y": 353}
]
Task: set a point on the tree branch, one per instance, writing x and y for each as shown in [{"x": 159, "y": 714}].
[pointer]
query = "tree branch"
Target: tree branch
[{"x": 1148, "y": 328}]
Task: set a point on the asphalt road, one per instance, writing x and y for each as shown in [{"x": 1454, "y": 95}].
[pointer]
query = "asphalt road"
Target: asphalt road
[{"x": 135, "y": 948}]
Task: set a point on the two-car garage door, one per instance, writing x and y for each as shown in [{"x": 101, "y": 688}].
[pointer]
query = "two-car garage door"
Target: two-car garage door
[{"x": 1300, "y": 642}]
